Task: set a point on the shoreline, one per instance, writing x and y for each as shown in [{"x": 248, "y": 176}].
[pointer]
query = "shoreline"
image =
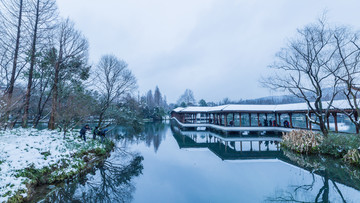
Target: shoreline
[
  {"x": 32, "y": 158},
  {"x": 339, "y": 146},
  {"x": 42, "y": 191}
]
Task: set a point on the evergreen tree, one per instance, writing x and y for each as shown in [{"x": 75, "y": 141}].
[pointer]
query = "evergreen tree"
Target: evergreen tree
[
  {"x": 157, "y": 97},
  {"x": 202, "y": 102}
]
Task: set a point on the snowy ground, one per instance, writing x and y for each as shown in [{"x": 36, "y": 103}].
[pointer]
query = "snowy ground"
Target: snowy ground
[{"x": 22, "y": 148}]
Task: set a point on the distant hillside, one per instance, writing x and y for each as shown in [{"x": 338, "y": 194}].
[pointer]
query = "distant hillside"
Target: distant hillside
[{"x": 284, "y": 99}]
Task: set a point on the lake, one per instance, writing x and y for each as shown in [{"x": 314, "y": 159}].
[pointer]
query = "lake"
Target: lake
[{"x": 164, "y": 164}]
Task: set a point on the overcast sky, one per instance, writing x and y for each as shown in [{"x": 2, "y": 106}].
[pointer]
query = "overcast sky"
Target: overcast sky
[{"x": 217, "y": 48}]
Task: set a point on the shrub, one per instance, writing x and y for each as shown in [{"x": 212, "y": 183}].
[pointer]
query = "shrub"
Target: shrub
[
  {"x": 339, "y": 144},
  {"x": 352, "y": 157},
  {"x": 46, "y": 154},
  {"x": 302, "y": 141},
  {"x": 100, "y": 151},
  {"x": 17, "y": 197}
]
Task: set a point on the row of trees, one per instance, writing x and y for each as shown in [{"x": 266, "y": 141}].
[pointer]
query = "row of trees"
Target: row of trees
[
  {"x": 318, "y": 65},
  {"x": 45, "y": 75},
  {"x": 154, "y": 106},
  {"x": 188, "y": 99}
]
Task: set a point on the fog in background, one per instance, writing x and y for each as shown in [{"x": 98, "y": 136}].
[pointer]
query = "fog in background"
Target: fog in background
[{"x": 217, "y": 49}]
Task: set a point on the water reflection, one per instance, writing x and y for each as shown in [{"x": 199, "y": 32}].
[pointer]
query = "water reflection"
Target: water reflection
[
  {"x": 110, "y": 182},
  {"x": 230, "y": 148},
  {"x": 152, "y": 134},
  {"x": 297, "y": 192},
  {"x": 229, "y": 169},
  {"x": 326, "y": 180},
  {"x": 334, "y": 177}
]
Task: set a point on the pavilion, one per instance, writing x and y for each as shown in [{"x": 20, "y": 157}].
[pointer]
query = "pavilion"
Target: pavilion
[{"x": 238, "y": 117}]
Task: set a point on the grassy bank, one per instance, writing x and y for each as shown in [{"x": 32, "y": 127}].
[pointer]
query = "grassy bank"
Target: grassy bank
[
  {"x": 337, "y": 145},
  {"x": 30, "y": 157}
]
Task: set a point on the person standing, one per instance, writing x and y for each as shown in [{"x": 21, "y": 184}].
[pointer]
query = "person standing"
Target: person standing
[
  {"x": 102, "y": 134},
  {"x": 83, "y": 131},
  {"x": 95, "y": 132}
]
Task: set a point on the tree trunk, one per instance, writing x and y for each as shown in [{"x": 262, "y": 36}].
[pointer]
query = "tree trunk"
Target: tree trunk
[
  {"x": 323, "y": 129},
  {"x": 51, "y": 125},
  {"x": 100, "y": 119},
  {"x": 39, "y": 112},
  {"x": 41, "y": 108},
  {"x": 16, "y": 55},
  {"x": 31, "y": 70}
]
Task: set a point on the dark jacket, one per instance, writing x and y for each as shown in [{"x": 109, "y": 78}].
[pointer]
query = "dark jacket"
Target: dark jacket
[
  {"x": 83, "y": 130},
  {"x": 96, "y": 131},
  {"x": 102, "y": 132}
]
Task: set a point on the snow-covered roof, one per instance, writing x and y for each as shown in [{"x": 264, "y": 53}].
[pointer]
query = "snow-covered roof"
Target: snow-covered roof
[
  {"x": 234, "y": 107},
  {"x": 178, "y": 109},
  {"x": 292, "y": 107},
  {"x": 218, "y": 108},
  {"x": 341, "y": 104},
  {"x": 196, "y": 109}
]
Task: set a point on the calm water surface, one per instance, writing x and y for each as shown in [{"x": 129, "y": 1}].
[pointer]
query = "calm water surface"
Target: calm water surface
[{"x": 163, "y": 164}]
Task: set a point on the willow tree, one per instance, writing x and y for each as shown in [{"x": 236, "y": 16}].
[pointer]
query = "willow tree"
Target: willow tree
[{"x": 304, "y": 68}]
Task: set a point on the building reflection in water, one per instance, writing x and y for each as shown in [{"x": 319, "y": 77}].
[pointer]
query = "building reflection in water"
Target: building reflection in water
[
  {"x": 230, "y": 148},
  {"x": 325, "y": 172},
  {"x": 113, "y": 181}
]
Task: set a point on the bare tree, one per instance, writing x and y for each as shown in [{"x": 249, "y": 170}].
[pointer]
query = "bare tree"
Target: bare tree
[
  {"x": 305, "y": 67},
  {"x": 11, "y": 20},
  {"x": 41, "y": 17},
  {"x": 348, "y": 59},
  {"x": 187, "y": 98},
  {"x": 5, "y": 55},
  {"x": 71, "y": 50},
  {"x": 113, "y": 81},
  {"x": 15, "y": 13}
]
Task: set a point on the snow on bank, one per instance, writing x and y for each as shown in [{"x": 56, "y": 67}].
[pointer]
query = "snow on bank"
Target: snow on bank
[{"x": 21, "y": 148}]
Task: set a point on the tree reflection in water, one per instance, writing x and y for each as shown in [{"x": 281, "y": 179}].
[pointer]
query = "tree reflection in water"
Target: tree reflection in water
[
  {"x": 111, "y": 182},
  {"x": 298, "y": 192},
  {"x": 152, "y": 134},
  {"x": 328, "y": 171}
]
